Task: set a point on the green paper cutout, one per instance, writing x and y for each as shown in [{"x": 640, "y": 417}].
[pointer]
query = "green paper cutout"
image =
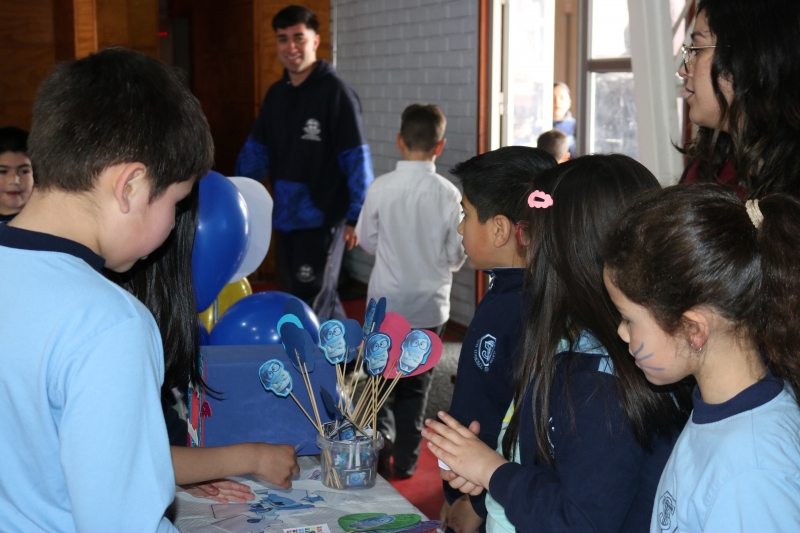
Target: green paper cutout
[{"x": 377, "y": 521}]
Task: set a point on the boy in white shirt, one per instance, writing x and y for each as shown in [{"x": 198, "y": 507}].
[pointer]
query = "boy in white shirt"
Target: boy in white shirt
[{"x": 410, "y": 223}]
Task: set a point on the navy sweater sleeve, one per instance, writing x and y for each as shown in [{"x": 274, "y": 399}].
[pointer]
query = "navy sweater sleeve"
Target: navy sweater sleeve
[
  {"x": 352, "y": 150},
  {"x": 597, "y": 464}
]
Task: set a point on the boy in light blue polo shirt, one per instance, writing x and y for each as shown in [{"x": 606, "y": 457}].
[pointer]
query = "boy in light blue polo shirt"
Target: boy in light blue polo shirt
[{"x": 117, "y": 141}]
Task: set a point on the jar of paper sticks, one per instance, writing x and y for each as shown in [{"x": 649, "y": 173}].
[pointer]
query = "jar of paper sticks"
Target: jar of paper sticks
[{"x": 349, "y": 459}]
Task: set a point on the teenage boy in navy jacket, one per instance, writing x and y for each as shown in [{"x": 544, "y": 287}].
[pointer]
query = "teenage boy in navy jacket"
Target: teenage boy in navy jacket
[
  {"x": 308, "y": 138},
  {"x": 496, "y": 186}
]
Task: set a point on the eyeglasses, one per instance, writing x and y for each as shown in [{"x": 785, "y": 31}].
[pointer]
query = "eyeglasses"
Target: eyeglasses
[{"x": 689, "y": 53}]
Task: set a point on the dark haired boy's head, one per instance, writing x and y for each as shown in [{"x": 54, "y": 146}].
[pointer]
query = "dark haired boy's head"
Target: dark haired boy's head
[
  {"x": 498, "y": 182},
  {"x": 293, "y": 15},
  {"x": 117, "y": 106},
  {"x": 496, "y": 187},
  {"x": 16, "y": 176},
  {"x": 555, "y": 143},
  {"x": 13, "y": 139},
  {"x": 297, "y": 33},
  {"x": 422, "y": 127}
]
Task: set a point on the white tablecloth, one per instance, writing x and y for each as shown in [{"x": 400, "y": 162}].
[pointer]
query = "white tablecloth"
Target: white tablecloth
[{"x": 195, "y": 515}]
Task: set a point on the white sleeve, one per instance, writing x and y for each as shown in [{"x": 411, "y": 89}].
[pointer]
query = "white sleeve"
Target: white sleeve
[
  {"x": 114, "y": 449},
  {"x": 762, "y": 501},
  {"x": 367, "y": 226},
  {"x": 455, "y": 251}
]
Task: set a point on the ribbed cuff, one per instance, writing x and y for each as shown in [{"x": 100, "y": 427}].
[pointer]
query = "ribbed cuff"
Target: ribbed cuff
[{"x": 500, "y": 484}]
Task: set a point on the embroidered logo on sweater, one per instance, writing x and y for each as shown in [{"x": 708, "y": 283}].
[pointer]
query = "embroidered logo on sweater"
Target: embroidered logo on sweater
[
  {"x": 666, "y": 511},
  {"x": 485, "y": 352},
  {"x": 312, "y": 130}
]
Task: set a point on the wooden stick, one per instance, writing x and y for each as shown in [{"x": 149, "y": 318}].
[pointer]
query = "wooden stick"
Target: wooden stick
[
  {"x": 389, "y": 391},
  {"x": 361, "y": 400},
  {"x": 303, "y": 409},
  {"x": 307, "y": 383},
  {"x": 356, "y": 371}
]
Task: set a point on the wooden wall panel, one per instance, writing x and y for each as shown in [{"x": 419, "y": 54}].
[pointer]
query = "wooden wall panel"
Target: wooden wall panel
[
  {"x": 129, "y": 23},
  {"x": 85, "y": 13},
  {"x": 27, "y": 55}
]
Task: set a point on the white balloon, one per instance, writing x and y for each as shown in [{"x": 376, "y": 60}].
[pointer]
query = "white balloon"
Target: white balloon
[{"x": 259, "y": 204}]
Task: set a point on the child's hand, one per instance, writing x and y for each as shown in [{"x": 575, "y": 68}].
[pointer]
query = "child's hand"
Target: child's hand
[
  {"x": 275, "y": 463},
  {"x": 221, "y": 490},
  {"x": 462, "y": 451},
  {"x": 462, "y": 518}
]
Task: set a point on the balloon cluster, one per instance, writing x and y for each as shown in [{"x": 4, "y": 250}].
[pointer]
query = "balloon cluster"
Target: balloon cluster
[{"x": 234, "y": 227}]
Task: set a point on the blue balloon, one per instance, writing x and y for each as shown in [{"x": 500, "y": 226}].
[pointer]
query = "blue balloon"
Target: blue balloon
[
  {"x": 221, "y": 238},
  {"x": 254, "y": 320}
]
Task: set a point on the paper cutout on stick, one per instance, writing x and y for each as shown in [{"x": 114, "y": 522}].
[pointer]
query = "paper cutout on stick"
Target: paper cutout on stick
[
  {"x": 352, "y": 337},
  {"x": 369, "y": 318},
  {"x": 275, "y": 378},
  {"x": 430, "y": 360},
  {"x": 332, "y": 341},
  {"x": 376, "y": 352},
  {"x": 416, "y": 348}
]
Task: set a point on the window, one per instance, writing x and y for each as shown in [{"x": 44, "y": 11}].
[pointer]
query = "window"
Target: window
[
  {"x": 607, "y": 110},
  {"x": 522, "y": 71}
]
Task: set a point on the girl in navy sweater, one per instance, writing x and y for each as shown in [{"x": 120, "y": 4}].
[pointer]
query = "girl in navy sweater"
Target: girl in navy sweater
[{"x": 592, "y": 435}]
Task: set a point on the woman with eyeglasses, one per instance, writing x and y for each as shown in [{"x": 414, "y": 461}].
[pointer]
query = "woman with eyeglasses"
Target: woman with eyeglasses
[{"x": 742, "y": 84}]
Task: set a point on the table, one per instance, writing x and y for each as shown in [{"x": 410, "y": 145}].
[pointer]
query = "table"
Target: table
[{"x": 196, "y": 515}]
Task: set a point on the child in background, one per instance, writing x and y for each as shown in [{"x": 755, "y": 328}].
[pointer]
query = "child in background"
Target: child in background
[
  {"x": 16, "y": 176},
  {"x": 709, "y": 286},
  {"x": 409, "y": 222},
  {"x": 163, "y": 282},
  {"x": 495, "y": 186},
  {"x": 555, "y": 143},
  {"x": 592, "y": 435},
  {"x": 117, "y": 141}
]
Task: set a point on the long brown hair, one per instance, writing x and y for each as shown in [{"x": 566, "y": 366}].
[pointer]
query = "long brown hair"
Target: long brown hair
[
  {"x": 756, "y": 49},
  {"x": 692, "y": 246},
  {"x": 567, "y": 294}
]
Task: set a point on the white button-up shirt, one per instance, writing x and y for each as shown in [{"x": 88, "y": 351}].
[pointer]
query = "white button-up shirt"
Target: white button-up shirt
[{"x": 410, "y": 223}]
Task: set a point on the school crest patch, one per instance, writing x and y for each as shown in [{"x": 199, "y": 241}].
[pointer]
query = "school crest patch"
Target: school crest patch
[
  {"x": 312, "y": 130},
  {"x": 666, "y": 512},
  {"x": 485, "y": 352}
]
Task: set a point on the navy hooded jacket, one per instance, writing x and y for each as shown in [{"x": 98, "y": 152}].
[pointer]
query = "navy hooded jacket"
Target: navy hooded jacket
[{"x": 309, "y": 139}]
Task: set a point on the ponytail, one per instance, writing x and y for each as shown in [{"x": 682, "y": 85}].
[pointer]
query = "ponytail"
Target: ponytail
[{"x": 779, "y": 246}]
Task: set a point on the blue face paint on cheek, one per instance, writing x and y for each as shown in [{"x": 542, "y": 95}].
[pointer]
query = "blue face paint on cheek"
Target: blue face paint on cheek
[{"x": 648, "y": 356}]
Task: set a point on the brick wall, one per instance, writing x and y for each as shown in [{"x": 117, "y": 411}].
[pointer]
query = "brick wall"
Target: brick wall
[{"x": 398, "y": 52}]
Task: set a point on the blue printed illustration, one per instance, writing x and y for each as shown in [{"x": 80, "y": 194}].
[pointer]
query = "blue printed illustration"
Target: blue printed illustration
[
  {"x": 416, "y": 349},
  {"x": 275, "y": 378},
  {"x": 369, "y": 317},
  {"x": 377, "y": 353},
  {"x": 485, "y": 352},
  {"x": 331, "y": 340},
  {"x": 366, "y": 523}
]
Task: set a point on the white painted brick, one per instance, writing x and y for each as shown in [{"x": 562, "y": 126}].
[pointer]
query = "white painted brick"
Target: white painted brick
[{"x": 396, "y": 52}]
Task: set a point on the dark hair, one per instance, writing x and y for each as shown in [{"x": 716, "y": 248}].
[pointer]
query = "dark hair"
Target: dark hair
[
  {"x": 422, "y": 127},
  {"x": 498, "y": 182},
  {"x": 554, "y": 142},
  {"x": 565, "y": 282},
  {"x": 117, "y": 106},
  {"x": 163, "y": 283},
  {"x": 292, "y": 15},
  {"x": 13, "y": 140},
  {"x": 692, "y": 246},
  {"x": 756, "y": 48},
  {"x": 562, "y": 85}
]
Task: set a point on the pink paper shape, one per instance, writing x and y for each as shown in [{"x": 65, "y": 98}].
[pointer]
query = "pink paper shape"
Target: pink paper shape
[
  {"x": 397, "y": 327},
  {"x": 433, "y": 358}
]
